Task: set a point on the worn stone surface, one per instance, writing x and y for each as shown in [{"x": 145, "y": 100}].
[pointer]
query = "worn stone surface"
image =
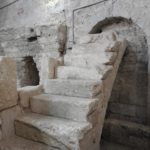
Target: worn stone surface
[
  {"x": 19, "y": 10},
  {"x": 17, "y": 143},
  {"x": 7, "y": 117},
  {"x": 67, "y": 72},
  {"x": 20, "y": 22},
  {"x": 8, "y": 89},
  {"x": 82, "y": 102},
  {"x": 77, "y": 88},
  {"x": 55, "y": 132},
  {"x": 63, "y": 106},
  {"x": 27, "y": 92},
  {"x": 127, "y": 133},
  {"x": 127, "y": 112},
  {"x": 90, "y": 60}
]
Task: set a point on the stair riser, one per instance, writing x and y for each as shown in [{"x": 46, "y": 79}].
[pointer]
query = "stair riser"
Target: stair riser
[
  {"x": 73, "y": 88},
  {"x": 75, "y": 73},
  {"x": 63, "y": 109},
  {"x": 92, "y": 48},
  {"x": 90, "y": 61},
  {"x": 31, "y": 133}
]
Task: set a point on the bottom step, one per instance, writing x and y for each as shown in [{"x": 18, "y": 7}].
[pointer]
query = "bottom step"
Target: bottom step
[
  {"x": 17, "y": 143},
  {"x": 127, "y": 133},
  {"x": 56, "y": 132}
]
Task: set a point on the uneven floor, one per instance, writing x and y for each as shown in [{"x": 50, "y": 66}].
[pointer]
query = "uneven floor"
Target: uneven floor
[
  {"x": 113, "y": 146},
  {"x": 17, "y": 143}
]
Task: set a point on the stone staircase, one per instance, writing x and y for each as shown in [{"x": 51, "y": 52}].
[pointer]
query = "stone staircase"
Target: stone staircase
[{"x": 70, "y": 114}]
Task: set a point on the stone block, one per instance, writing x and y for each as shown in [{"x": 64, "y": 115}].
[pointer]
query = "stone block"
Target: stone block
[
  {"x": 78, "y": 88},
  {"x": 127, "y": 133},
  {"x": 56, "y": 132},
  {"x": 63, "y": 106},
  {"x": 27, "y": 92},
  {"x": 8, "y": 89},
  {"x": 68, "y": 72},
  {"x": 7, "y": 117}
]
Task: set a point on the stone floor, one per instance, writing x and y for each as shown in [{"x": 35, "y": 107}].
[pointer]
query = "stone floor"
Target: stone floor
[
  {"x": 17, "y": 143},
  {"x": 113, "y": 146}
]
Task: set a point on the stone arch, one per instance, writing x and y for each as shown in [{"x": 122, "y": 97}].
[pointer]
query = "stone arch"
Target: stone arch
[
  {"x": 98, "y": 28},
  {"x": 129, "y": 95}
]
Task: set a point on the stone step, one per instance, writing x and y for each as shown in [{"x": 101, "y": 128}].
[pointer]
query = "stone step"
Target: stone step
[
  {"x": 104, "y": 37},
  {"x": 90, "y": 60},
  {"x": 91, "y": 48},
  {"x": 62, "y": 106},
  {"x": 127, "y": 133},
  {"x": 68, "y": 72},
  {"x": 18, "y": 143},
  {"x": 74, "y": 88},
  {"x": 56, "y": 132}
]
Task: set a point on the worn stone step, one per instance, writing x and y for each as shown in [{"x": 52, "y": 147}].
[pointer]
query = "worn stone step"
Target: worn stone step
[
  {"x": 74, "y": 88},
  {"x": 62, "y": 106},
  {"x": 18, "y": 143},
  {"x": 90, "y": 60},
  {"x": 56, "y": 132},
  {"x": 127, "y": 133},
  {"x": 104, "y": 37},
  {"x": 95, "y": 48},
  {"x": 68, "y": 72}
]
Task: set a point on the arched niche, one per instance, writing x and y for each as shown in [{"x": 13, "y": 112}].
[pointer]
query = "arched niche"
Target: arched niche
[{"x": 27, "y": 72}]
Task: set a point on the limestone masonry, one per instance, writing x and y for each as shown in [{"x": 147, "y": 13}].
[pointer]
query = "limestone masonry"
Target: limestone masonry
[{"x": 74, "y": 75}]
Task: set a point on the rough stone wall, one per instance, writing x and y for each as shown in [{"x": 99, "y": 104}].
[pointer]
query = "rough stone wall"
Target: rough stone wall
[
  {"x": 129, "y": 95},
  {"x": 22, "y": 42},
  {"x": 8, "y": 97},
  {"x": 29, "y": 27}
]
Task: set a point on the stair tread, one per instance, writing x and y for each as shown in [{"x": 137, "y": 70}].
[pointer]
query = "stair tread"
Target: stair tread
[
  {"x": 90, "y": 60},
  {"x": 75, "y": 81},
  {"x": 52, "y": 125},
  {"x": 72, "y": 72},
  {"x": 90, "y": 48},
  {"x": 56, "y": 132},
  {"x": 130, "y": 125},
  {"x": 68, "y": 99}
]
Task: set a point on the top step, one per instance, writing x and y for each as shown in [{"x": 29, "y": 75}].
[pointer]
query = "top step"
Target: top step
[
  {"x": 96, "y": 48},
  {"x": 108, "y": 36}
]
